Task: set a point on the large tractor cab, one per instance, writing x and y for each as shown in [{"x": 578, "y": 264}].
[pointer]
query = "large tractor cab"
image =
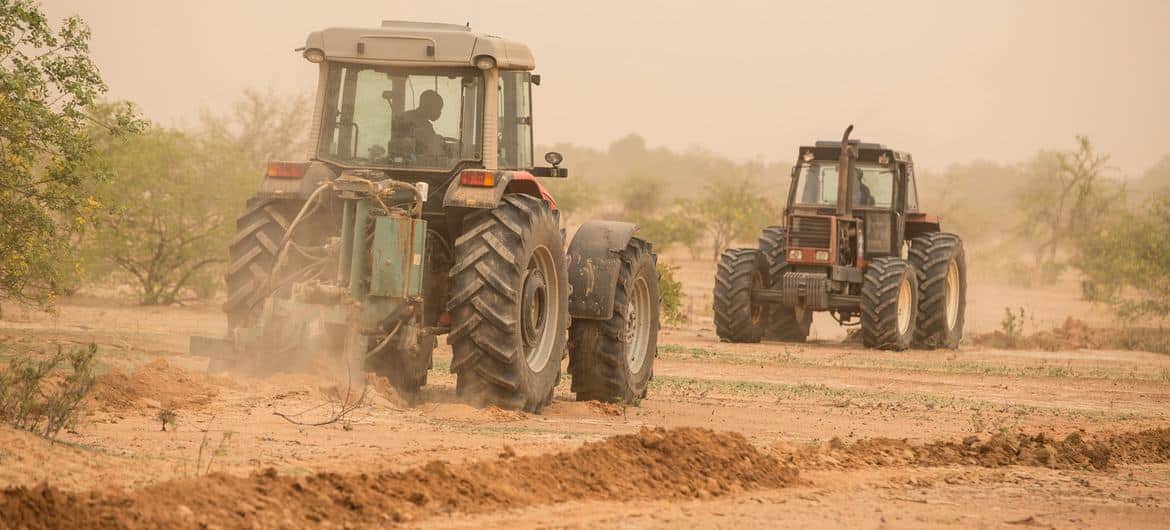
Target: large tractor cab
[
  {"x": 853, "y": 243},
  {"x": 419, "y": 213}
]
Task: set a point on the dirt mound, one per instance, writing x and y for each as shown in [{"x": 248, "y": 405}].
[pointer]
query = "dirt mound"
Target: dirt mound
[
  {"x": 1075, "y": 334},
  {"x": 678, "y": 463},
  {"x": 155, "y": 384},
  {"x": 1075, "y": 451}
]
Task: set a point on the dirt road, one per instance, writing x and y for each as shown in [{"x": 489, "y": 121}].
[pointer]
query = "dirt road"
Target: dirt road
[{"x": 809, "y": 417}]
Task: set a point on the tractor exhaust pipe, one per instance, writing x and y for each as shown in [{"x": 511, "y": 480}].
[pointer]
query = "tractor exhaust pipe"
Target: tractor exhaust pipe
[{"x": 844, "y": 169}]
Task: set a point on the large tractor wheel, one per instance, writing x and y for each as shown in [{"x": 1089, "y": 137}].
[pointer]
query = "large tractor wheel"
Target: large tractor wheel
[
  {"x": 252, "y": 252},
  {"x": 509, "y": 305},
  {"x": 889, "y": 304},
  {"x": 613, "y": 360},
  {"x": 737, "y": 318},
  {"x": 942, "y": 289},
  {"x": 781, "y": 322}
]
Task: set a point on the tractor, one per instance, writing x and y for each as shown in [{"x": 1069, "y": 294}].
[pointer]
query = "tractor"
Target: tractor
[
  {"x": 420, "y": 213},
  {"x": 853, "y": 243}
]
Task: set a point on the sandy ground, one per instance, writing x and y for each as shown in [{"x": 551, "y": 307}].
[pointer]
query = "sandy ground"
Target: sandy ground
[{"x": 781, "y": 398}]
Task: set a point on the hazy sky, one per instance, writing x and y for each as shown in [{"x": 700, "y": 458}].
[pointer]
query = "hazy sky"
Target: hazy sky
[{"x": 949, "y": 81}]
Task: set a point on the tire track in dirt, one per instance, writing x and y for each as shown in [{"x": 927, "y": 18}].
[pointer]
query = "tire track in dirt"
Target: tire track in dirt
[{"x": 652, "y": 464}]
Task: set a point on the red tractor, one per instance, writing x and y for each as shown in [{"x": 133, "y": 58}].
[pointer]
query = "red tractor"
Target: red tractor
[{"x": 854, "y": 243}]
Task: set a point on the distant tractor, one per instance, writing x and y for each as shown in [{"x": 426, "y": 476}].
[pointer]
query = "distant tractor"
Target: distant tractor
[
  {"x": 420, "y": 214},
  {"x": 854, "y": 244}
]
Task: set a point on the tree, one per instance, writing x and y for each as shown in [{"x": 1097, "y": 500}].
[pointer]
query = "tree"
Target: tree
[
  {"x": 1064, "y": 198},
  {"x": 263, "y": 126},
  {"x": 640, "y": 194},
  {"x": 732, "y": 211},
  {"x": 47, "y": 82},
  {"x": 1127, "y": 260},
  {"x": 171, "y": 201},
  {"x": 574, "y": 196}
]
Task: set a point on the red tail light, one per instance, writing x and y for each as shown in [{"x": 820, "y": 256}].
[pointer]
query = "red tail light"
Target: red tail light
[
  {"x": 286, "y": 170},
  {"x": 477, "y": 177}
]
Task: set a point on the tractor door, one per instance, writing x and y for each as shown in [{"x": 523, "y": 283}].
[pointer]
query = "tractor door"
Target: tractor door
[{"x": 877, "y": 204}]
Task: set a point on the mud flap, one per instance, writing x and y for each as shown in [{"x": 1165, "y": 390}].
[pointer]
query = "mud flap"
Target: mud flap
[{"x": 594, "y": 265}]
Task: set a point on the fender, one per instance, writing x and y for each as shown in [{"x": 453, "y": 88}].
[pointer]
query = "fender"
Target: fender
[
  {"x": 299, "y": 184},
  {"x": 594, "y": 265},
  {"x": 459, "y": 195}
]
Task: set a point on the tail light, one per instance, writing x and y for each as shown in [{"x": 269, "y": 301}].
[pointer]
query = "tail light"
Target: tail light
[
  {"x": 286, "y": 170},
  {"x": 477, "y": 177}
]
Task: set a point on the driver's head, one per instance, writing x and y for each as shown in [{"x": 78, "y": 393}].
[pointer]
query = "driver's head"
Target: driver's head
[{"x": 431, "y": 104}]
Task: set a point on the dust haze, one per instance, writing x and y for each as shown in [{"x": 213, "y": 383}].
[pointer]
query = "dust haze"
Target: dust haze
[{"x": 951, "y": 82}]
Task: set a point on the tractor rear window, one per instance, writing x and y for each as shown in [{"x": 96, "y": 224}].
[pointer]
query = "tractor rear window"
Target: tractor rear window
[
  {"x": 817, "y": 185},
  {"x": 416, "y": 119}
]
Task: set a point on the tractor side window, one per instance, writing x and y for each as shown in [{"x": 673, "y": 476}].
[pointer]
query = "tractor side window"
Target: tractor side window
[{"x": 515, "y": 120}]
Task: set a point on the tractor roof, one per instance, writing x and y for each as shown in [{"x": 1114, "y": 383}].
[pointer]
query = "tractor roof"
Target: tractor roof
[
  {"x": 419, "y": 43},
  {"x": 866, "y": 151}
]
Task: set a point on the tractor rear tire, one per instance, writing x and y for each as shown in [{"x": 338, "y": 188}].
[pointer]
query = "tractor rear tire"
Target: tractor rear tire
[
  {"x": 942, "y": 289},
  {"x": 252, "y": 252},
  {"x": 509, "y": 305},
  {"x": 613, "y": 360},
  {"x": 783, "y": 323},
  {"x": 737, "y": 318},
  {"x": 889, "y": 304}
]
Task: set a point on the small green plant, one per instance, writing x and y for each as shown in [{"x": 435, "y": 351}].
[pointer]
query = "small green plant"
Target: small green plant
[
  {"x": 1012, "y": 326},
  {"x": 670, "y": 294},
  {"x": 168, "y": 417},
  {"x": 36, "y": 397}
]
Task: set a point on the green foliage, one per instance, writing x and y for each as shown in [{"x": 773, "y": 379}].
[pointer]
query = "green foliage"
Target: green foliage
[
  {"x": 1126, "y": 259},
  {"x": 674, "y": 227},
  {"x": 47, "y": 82},
  {"x": 170, "y": 208},
  {"x": 640, "y": 195},
  {"x": 670, "y": 294},
  {"x": 575, "y": 196},
  {"x": 262, "y": 126},
  {"x": 732, "y": 211},
  {"x": 1012, "y": 326},
  {"x": 35, "y": 398},
  {"x": 1064, "y": 199}
]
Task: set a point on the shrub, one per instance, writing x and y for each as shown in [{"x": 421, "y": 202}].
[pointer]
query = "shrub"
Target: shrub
[
  {"x": 35, "y": 398},
  {"x": 670, "y": 294}
]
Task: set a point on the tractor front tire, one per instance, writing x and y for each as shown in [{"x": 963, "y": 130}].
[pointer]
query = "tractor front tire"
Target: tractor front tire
[
  {"x": 737, "y": 318},
  {"x": 942, "y": 289},
  {"x": 889, "y": 304},
  {"x": 509, "y": 305},
  {"x": 613, "y": 360},
  {"x": 783, "y": 323}
]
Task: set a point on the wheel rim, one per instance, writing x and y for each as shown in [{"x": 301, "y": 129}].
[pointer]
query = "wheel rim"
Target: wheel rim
[
  {"x": 905, "y": 298},
  {"x": 540, "y": 304},
  {"x": 952, "y": 303},
  {"x": 638, "y": 319},
  {"x": 757, "y": 310}
]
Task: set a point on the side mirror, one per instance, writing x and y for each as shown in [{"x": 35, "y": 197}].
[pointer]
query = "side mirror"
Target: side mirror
[
  {"x": 554, "y": 159},
  {"x": 535, "y": 79}
]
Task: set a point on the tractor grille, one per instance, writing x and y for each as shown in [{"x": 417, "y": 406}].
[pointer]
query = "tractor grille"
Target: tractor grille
[{"x": 809, "y": 232}]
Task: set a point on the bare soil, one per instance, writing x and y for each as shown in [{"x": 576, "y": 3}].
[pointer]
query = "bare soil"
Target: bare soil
[{"x": 822, "y": 434}]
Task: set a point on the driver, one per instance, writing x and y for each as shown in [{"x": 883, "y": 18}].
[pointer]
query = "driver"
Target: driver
[
  {"x": 417, "y": 124},
  {"x": 861, "y": 195}
]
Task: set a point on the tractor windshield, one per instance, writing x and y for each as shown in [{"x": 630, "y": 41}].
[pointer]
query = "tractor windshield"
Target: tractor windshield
[
  {"x": 817, "y": 185},
  {"x": 401, "y": 117}
]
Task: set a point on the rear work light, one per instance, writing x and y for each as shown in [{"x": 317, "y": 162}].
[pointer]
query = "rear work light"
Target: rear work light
[
  {"x": 286, "y": 170},
  {"x": 477, "y": 177}
]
